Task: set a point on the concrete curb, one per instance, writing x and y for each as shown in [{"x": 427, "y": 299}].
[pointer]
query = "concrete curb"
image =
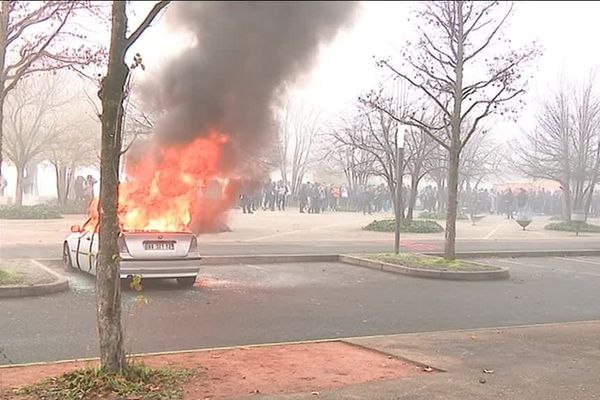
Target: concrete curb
[
  {"x": 501, "y": 273},
  {"x": 522, "y": 253},
  {"x": 268, "y": 259},
  {"x": 61, "y": 284}
]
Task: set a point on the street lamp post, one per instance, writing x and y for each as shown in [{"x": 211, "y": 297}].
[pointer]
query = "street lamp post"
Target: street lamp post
[{"x": 399, "y": 161}]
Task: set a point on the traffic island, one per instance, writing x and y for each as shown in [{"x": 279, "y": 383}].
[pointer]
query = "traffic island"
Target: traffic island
[
  {"x": 24, "y": 277},
  {"x": 422, "y": 266}
]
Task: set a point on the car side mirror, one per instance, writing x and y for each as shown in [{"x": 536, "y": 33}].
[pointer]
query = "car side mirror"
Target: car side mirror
[{"x": 75, "y": 228}]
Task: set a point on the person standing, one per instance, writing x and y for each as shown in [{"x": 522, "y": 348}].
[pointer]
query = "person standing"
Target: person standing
[{"x": 89, "y": 188}]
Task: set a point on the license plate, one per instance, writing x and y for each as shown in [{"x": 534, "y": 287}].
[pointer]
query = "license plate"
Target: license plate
[{"x": 159, "y": 245}]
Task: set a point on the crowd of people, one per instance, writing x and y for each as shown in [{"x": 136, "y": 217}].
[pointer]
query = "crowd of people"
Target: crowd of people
[{"x": 316, "y": 198}]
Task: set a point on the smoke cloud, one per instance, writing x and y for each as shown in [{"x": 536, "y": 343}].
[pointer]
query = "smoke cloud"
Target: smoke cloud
[{"x": 244, "y": 53}]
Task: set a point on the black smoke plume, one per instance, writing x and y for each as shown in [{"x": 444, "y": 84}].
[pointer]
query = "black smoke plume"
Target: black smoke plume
[{"x": 244, "y": 53}]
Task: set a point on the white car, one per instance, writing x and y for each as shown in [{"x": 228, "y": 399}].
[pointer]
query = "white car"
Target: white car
[{"x": 147, "y": 254}]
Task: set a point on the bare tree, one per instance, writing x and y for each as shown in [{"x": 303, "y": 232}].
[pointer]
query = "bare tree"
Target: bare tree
[
  {"x": 32, "y": 123},
  {"x": 339, "y": 155},
  {"x": 75, "y": 144},
  {"x": 375, "y": 133},
  {"x": 112, "y": 94},
  {"x": 454, "y": 66},
  {"x": 565, "y": 144},
  {"x": 36, "y": 37},
  {"x": 298, "y": 129}
]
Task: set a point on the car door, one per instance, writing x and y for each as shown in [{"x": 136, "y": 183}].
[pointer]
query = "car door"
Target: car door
[
  {"x": 84, "y": 251},
  {"x": 84, "y": 247}
]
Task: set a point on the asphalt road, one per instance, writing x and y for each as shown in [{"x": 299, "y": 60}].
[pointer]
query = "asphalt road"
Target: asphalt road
[
  {"x": 237, "y": 305},
  {"x": 331, "y": 246}
]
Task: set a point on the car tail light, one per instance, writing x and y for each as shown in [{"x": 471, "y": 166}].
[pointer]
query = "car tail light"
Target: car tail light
[
  {"x": 122, "y": 245},
  {"x": 193, "y": 245}
]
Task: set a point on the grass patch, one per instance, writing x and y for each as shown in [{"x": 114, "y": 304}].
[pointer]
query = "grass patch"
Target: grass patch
[
  {"x": 572, "y": 227},
  {"x": 440, "y": 216},
  {"x": 556, "y": 218},
  {"x": 138, "y": 381},
  {"x": 427, "y": 262},
  {"x": 406, "y": 226},
  {"x": 8, "y": 277},
  {"x": 39, "y": 211}
]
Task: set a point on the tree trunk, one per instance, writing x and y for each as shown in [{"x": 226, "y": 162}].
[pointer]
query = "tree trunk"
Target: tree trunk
[
  {"x": 414, "y": 190},
  {"x": 19, "y": 185},
  {"x": 452, "y": 205},
  {"x": 3, "y": 34},
  {"x": 455, "y": 143},
  {"x": 108, "y": 293},
  {"x": 61, "y": 183}
]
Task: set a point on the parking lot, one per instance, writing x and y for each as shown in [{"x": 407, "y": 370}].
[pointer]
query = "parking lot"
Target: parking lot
[{"x": 248, "y": 304}]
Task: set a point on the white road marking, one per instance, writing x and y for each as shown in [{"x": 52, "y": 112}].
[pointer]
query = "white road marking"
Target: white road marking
[
  {"x": 493, "y": 231},
  {"x": 50, "y": 271},
  {"x": 255, "y": 267},
  {"x": 596, "y": 263},
  {"x": 548, "y": 268}
]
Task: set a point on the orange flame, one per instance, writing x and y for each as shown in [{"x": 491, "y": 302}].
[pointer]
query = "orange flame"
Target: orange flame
[{"x": 168, "y": 193}]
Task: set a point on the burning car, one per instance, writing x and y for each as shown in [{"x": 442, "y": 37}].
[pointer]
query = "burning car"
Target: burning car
[{"x": 144, "y": 253}]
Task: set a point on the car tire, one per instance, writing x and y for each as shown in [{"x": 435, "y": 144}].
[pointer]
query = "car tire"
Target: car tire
[
  {"x": 67, "y": 261},
  {"x": 188, "y": 281}
]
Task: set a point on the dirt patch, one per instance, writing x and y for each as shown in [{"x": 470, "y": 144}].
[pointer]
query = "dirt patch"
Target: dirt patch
[
  {"x": 234, "y": 373},
  {"x": 27, "y": 271}
]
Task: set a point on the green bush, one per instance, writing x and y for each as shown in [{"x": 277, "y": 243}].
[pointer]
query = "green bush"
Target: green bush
[
  {"x": 406, "y": 226},
  {"x": 556, "y": 218},
  {"x": 440, "y": 215},
  {"x": 572, "y": 227},
  {"x": 40, "y": 211}
]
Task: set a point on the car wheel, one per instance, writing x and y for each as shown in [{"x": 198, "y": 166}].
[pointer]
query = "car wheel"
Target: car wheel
[
  {"x": 187, "y": 281},
  {"x": 66, "y": 258}
]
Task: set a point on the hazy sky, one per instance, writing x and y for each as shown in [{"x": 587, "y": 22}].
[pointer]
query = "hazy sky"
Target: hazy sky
[{"x": 568, "y": 32}]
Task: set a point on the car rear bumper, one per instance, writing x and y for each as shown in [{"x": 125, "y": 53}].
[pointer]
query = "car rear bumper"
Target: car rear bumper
[{"x": 160, "y": 268}]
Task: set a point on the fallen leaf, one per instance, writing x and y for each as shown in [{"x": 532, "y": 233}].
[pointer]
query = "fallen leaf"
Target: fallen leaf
[
  {"x": 472, "y": 337},
  {"x": 488, "y": 371},
  {"x": 427, "y": 369},
  {"x": 482, "y": 380},
  {"x": 215, "y": 356},
  {"x": 255, "y": 391},
  {"x": 315, "y": 393}
]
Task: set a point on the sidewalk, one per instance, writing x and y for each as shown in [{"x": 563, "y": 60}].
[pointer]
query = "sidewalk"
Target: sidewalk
[{"x": 552, "y": 361}]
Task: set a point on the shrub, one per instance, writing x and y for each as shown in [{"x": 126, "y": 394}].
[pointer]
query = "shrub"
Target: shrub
[
  {"x": 407, "y": 226},
  {"x": 572, "y": 227},
  {"x": 440, "y": 215},
  {"x": 39, "y": 211}
]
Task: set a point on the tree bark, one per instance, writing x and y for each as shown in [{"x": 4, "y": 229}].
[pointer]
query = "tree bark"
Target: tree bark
[
  {"x": 61, "y": 183},
  {"x": 455, "y": 144},
  {"x": 19, "y": 185},
  {"x": 108, "y": 293},
  {"x": 412, "y": 201},
  {"x": 452, "y": 205},
  {"x": 3, "y": 34}
]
